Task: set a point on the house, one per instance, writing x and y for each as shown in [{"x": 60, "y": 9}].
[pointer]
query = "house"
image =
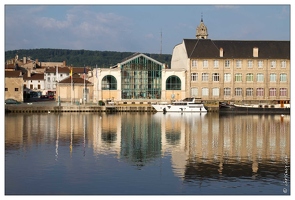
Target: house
[
  {"x": 71, "y": 89},
  {"x": 33, "y": 83},
  {"x": 14, "y": 85}
]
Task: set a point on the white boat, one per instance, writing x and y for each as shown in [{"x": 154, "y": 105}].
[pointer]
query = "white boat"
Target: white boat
[{"x": 185, "y": 105}]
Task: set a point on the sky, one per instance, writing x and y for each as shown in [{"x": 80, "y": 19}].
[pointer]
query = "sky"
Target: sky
[{"x": 145, "y": 28}]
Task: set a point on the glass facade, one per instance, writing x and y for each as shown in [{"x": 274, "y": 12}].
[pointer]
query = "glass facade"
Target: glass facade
[{"x": 141, "y": 79}]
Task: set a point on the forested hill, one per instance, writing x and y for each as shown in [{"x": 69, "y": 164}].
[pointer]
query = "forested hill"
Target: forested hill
[{"x": 80, "y": 58}]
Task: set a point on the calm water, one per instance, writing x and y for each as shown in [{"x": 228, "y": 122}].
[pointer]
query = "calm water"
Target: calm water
[{"x": 145, "y": 153}]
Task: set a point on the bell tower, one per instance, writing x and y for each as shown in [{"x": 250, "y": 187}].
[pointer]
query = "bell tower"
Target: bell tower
[{"x": 202, "y": 32}]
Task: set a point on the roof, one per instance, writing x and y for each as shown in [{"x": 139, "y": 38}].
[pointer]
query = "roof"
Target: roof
[
  {"x": 60, "y": 70},
  {"x": 136, "y": 55},
  {"x": 14, "y": 74},
  {"x": 76, "y": 79},
  {"x": 206, "y": 48},
  {"x": 34, "y": 76}
]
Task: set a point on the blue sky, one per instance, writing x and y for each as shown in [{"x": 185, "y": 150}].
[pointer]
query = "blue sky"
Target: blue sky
[{"x": 138, "y": 28}]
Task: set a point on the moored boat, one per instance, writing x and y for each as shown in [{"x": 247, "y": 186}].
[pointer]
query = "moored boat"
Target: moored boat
[
  {"x": 185, "y": 105},
  {"x": 254, "y": 108}
]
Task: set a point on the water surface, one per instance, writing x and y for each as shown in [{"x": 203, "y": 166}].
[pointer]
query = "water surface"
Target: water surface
[{"x": 145, "y": 153}]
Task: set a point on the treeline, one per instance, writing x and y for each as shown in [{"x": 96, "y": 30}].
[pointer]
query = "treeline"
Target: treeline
[{"x": 78, "y": 58}]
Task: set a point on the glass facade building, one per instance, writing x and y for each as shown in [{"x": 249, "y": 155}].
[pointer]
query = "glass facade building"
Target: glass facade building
[{"x": 141, "y": 78}]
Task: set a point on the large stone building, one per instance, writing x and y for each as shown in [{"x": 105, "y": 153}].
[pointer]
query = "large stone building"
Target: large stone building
[{"x": 234, "y": 70}]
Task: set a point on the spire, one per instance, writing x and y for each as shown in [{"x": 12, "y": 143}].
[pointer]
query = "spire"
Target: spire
[{"x": 202, "y": 32}]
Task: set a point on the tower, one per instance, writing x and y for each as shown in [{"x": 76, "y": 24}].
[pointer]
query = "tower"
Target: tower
[{"x": 202, "y": 32}]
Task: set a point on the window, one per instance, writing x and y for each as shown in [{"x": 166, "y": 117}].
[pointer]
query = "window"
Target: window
[
  {"x": 260, "y": 77},
  {"x": 215, "y": 77},
  {"x": 205, "y": 76},
  {"x": 173, "y": 83},
  {"x": 194, "y": 63},
  {"x": 39, "y": 87},
  {"x": 283, "y": 92},
  {"x": 194, "y": 92},
  {"x": 250, "y": 63},
  {"x": 226, "y": 92},
  {"x": 260, "y": 92},
  {"x": 260, "y": 63},
  {"x": 238, "y": 64},
  {"x": 238, "y": 91},
  {"x": 31, "y": 86},
  {"x": 249, "y": 77},
  {"x": 249, "y": 92},
  {"x": 283, "y": 77},
  {"x": 48, "y": 86},
  {"x": 238, "y": 77},
  {"x": 283, "y": 64},
  {"x": 273, "y": 77},
  {"x": 227, "y": 77},
  {"x": 273, "y": 64},
  {"x": 215, "y": 92},
  {"x": 205, "y": 63},
  {"x": 227, "y": 63},
  {"x": 48, "y": 78},
  {"x": 6, "y": 89},
  {"x": 205, "y": 91},
  {"x": 194, "y": 77},
  {"x": 109, "y": 82},
  {"x": 272, "y": 92},
  {"x": 216, "y": 63}
]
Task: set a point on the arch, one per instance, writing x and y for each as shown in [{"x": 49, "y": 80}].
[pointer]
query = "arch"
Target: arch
[
  {"x": 109, "y": 82},
  {"x": 173, "y": 83}
]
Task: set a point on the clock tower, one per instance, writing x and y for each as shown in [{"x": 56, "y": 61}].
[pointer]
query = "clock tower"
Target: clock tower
[{"x": 202, "y": 32}]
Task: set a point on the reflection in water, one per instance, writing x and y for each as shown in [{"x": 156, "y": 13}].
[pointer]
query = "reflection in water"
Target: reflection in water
[{"x": 200, "y": 146}]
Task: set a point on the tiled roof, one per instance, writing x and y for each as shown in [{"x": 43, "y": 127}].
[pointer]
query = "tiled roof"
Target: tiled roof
[
  {"x": 206, "y": 48},
  {"x": 76, "y": 79},
  {"x": 13, "y": 74},
  {"x": 80, "y": 70},
  {"x": 60, "y": 70},
  {"x": 34, "y": 76}
]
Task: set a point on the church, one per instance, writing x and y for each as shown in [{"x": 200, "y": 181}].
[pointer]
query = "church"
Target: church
[{"x": 212, "y": 70}]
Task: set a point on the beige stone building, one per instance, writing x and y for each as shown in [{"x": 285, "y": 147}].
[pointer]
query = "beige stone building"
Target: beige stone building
[
  {"x": 14, "y": 85},
  {"x": 74, "y": 89},
  {"x": 234, "y": 70}
]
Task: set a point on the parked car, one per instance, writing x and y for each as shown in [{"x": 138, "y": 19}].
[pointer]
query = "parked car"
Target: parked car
[{"x": 12, "y": 101}]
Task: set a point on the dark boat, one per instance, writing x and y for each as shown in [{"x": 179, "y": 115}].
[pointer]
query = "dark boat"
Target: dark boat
[{"x": 254, "y": 109}]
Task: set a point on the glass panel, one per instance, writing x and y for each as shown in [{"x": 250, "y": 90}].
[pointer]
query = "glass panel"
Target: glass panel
[{"x": 141, "y": 79}]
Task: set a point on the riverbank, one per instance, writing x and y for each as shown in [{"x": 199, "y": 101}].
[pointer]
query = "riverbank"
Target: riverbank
[{"x": 39, "y": 107}]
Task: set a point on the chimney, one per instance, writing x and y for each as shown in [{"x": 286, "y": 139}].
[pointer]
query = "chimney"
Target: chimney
[
  {"x": 221, "y": 52},
  {"x": 255, "y": 52},
  {"x": 24, "y": 60},
  {"x": 29, "y": 72},
  {"x": 64, "y": 63}
]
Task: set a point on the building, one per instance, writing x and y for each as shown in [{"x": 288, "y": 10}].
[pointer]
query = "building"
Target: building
[
  {"x": 234, "y": 70},
  {"x": 138, "y": 79},
  {"x": 14, "y": 85},
  {"x": 75, "y": 90}
]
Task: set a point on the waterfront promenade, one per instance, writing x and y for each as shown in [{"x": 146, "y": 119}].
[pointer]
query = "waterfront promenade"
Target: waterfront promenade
[{"x": 52, "y": 106}]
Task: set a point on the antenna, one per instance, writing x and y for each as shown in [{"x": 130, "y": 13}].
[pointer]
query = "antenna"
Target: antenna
[
  {"x": 201, "y": 16},
  {"x": 161, "y": 43}
]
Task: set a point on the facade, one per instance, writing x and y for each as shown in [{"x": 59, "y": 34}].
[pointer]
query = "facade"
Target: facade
[
  {"x": 232, "y": 70},
  {"x": 14, "y": 85},
  {"x": 138, "y": 78},
  {"x": 71, "y": 89}
]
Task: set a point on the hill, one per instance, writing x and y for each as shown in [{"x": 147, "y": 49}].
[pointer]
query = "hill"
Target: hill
[{"x": 78, "y": 58}]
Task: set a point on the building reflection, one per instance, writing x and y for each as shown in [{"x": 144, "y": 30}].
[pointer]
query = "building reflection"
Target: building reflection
[{"x": 199, "y": 144}]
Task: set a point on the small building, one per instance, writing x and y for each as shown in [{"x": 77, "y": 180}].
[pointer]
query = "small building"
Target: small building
[
  {"x": 14, "y": 85},
  {"x": 74, "y": 89}
]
